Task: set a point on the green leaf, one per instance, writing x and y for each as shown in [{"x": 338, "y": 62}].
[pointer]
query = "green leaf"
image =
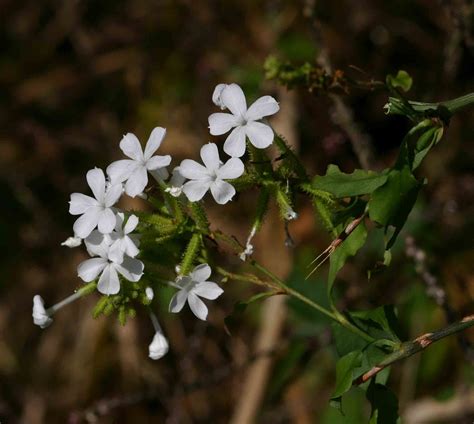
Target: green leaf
[
  {"x": 346, "y": 341},
  {"x": 401, "y": 80},
  {"x": 341, "y": 185},
  {"x": 391, "y": 203},
  {"x": 349, "y": 247},
  {"x": 345, "y": 368},
  {"x": 417, "y": 143},
  {"x": 384, "y": 404},
  {"x": 380, "y": 323}
]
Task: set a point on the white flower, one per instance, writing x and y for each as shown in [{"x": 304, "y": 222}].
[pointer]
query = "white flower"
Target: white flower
[
  {"x": 135, "y": 170},
  {"x": 192, "y": 287},
  {"x": 211, "y": 176},
  {"x": 40, "y": 316},
  {"x": 95, "y": 212},
  {"x": 72, "y": 242},
  {"x": 159, "y": 346},
  {"x": 128, "y": 243},
  {"x": 242, "y": 120},
  {"x": 176, "y": 183},
  {"x": 119, "y": 239},
  {"x": 150, "y": 294},
  {"x": 109, "y": 264}
]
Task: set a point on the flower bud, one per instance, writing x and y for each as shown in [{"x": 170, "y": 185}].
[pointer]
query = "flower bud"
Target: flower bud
[
  {"x": 40, "y": 316},
  {"x": 158, "y": 347}
]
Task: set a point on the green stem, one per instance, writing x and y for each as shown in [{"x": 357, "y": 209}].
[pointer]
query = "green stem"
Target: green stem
[
  {"x": 339, "y": 318},
  {"x": 396, "y": 106},
  {"x": 87, "y": 289},
  {"x": 452, "y": 105}
]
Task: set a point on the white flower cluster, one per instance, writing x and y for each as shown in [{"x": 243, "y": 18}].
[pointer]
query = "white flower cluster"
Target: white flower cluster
[{"x": 107, "y": 231}]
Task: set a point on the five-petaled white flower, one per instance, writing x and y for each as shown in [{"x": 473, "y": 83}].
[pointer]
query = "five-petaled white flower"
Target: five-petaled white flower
[
  {"x": 192, "y": 287},
  {"x": 95, "y": 212},
  {"x": 109, "y": 264},
  {"x": 135, "y": 170},
  {"x": 211, "y": 176},
  {"x": 242, "y": 120},
  {"x": 40, "y": 316}
]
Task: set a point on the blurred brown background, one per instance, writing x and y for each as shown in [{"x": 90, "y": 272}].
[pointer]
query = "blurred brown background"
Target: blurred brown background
[{"x": 76, "y": 75}]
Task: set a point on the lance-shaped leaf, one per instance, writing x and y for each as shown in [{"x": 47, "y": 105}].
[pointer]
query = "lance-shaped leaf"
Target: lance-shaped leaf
[
  {"x": 345, "y": 374},
  {"x": 341, "y": 185}
]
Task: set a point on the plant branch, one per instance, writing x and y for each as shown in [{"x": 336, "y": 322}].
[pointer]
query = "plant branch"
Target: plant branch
[
  {"x": 280, "y": 284},
  {"x": 410, "y": 348}
]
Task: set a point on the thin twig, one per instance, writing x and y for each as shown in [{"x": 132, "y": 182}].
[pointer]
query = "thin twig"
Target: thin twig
[{"x": 410, "y": 348}]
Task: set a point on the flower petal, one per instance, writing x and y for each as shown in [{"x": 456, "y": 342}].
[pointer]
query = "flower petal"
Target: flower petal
[
  {"x": 220, "y": 123},
  {"x": 201, "y": 273},
  {"x": 119, "y": 219},
  {"x": 234, "y": 99},
  {"x": 109, "y": 282},
  {"x": 113, "y": 194},
  {"x": 130, "y": 248},
  {"x": 210, "y": 157},
  {"x": 193, "y": 170},
  {"x": 216, "y": 95},
  {"x": 79, "y": 203},
  {"x": 96, "y": 180},
  {"x": 233, "y": 168},
  {"x": 87, "y": 222},
  {"x": 264, "y": 106},
  {"x": 97, "y": 244},
  {"x": 208, "y": 290},
  {"x": 197, "y": 306},
  {"x": 131, "y": 224},
  {"x": 178, "y": 301},
  {"x": 115, "y": 252},
  {"x": 107, "y": 221},
  {"x": 157, "y": 162},
  {"x": 235, "y": 143},
  {"x": 94, "y": 239},
  {"x": 136, "y": 182},
  {"x": 120, "y": 170},
  {"x": 159, "y": 174},
  {"x": 154, "y": 142},
  {"x": 130, "y": 268},
  {"x": 222, "y": 191},
  {"x": 195, "y": 190},
  {"x": 260, "y": 135},
  {"x": 91, "y": 268},
  {"x": 131, "y": 147},
  {"x": 177, "y": 179}
]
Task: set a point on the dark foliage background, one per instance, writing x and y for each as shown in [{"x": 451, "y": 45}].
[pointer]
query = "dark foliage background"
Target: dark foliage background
[{"x": 76, "y": 75}]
